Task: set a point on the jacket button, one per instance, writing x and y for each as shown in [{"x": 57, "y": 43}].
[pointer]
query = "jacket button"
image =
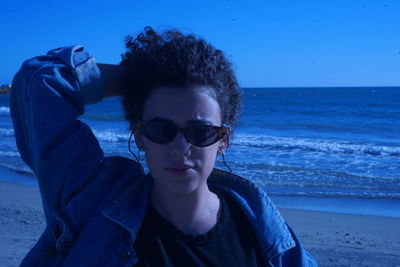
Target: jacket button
[
  {"x": 125, "y": 255},
  {"x": 52, "y": 251}
]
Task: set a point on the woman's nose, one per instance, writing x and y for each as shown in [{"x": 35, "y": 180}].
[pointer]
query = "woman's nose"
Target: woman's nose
[{"x": 180, "y": 146}]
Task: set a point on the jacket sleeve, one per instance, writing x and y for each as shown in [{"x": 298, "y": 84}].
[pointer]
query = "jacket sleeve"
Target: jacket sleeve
[
  {"x": 48, "y": 94},
  {"x": 296, "y": 256}
]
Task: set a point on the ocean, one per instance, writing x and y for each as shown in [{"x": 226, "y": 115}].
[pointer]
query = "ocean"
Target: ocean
[{"x": 297, "y": 142}]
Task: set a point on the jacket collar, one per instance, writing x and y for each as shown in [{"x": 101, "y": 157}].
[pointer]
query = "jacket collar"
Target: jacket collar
[{"x": 129, "y": 207}]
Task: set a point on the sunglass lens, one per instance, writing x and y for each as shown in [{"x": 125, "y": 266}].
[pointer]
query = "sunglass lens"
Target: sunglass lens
[
  {"x": 202, "y": 135},
  {"x": 160, "y": 132}
]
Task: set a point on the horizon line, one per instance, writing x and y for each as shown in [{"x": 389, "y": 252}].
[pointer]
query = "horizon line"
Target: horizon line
[{"x": 277, "y": 87}]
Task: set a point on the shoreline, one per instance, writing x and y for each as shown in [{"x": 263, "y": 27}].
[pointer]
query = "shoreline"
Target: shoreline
[
  {"x": 356, "y": 206},
  {"x": 353, "y": 206},
  {"x": 334, "y": 239}
]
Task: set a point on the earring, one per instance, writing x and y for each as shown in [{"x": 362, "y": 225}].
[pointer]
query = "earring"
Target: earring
[
  {"x": 141, "y": 155},
  {"x": 222, "y": 153},
  {"x": 136, "y": 157}
]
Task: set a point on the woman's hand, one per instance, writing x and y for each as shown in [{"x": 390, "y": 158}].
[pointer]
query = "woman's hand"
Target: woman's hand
[{"x": 115, "y": 76}]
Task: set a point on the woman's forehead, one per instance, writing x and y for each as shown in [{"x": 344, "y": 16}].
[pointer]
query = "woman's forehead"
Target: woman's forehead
[{"x": 182, "y": 105}]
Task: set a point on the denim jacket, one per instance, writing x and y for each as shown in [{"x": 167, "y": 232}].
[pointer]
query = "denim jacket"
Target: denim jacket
[{"x": 94, "y": 205}]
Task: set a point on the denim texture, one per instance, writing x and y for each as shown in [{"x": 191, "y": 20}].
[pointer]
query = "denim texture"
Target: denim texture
[{"x": 94, "y": 205}]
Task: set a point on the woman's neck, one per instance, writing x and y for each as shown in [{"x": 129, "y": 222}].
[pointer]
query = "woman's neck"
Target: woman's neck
[{"x": 194, "y": 213}]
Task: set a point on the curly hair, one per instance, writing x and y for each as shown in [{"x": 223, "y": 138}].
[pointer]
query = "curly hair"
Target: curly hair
[{"x": 177, "y": 60}]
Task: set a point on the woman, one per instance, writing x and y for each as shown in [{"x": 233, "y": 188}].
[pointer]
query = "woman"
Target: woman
[{"x": 182, "y": 100}]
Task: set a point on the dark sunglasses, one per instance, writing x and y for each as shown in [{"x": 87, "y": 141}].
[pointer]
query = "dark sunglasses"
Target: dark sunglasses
[{"x": 161, "y": 132}]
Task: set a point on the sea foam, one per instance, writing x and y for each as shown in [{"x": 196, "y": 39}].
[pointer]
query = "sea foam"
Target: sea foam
[
  {"x": 4, "y": 111},
  {"x": 315, "y": 145}
]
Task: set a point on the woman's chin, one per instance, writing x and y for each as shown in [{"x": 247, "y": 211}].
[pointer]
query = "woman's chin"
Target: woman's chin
[{"x": 180, "y": 183}]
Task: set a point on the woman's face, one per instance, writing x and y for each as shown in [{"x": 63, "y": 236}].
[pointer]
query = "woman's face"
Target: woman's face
[{"x": 179, "y": 167}]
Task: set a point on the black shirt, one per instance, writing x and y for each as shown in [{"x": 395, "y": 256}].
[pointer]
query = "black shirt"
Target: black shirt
[{"x": 231, "y": 242}]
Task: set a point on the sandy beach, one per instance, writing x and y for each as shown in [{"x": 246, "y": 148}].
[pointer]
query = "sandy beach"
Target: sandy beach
[{"x": 334, "y": 239}]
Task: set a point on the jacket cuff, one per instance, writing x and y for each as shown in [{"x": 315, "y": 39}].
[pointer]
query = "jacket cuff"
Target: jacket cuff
[{"x": 83, "y": 66}]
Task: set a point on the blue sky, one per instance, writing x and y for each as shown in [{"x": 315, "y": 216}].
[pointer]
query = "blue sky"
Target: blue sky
[{"x": 271, "y": 43}]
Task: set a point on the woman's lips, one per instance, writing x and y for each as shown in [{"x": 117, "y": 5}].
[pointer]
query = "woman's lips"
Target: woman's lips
[{"x": 180, "y": 170}]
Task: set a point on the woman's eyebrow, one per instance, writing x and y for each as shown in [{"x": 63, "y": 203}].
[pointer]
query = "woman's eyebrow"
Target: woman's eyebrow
[{"x": 199, "y": 121}]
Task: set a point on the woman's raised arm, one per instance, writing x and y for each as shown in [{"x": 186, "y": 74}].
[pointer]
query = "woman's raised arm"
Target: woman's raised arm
[{"x": 48, "y": 94}]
